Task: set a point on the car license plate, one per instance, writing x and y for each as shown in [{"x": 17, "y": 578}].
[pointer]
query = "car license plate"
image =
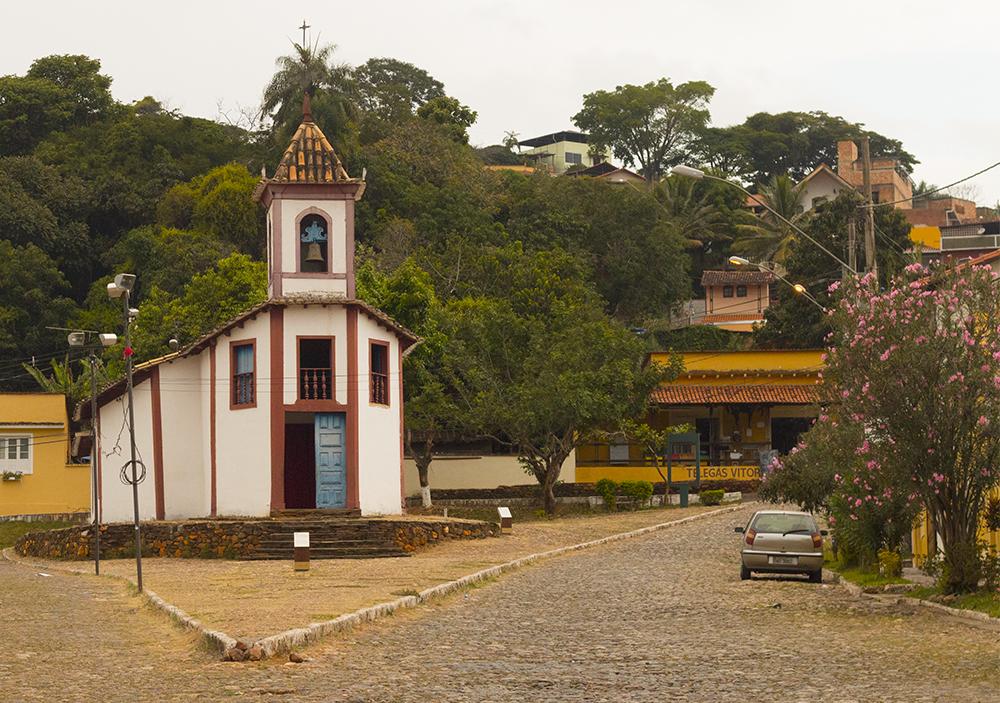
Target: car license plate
[{"x": 784, "y": 561}]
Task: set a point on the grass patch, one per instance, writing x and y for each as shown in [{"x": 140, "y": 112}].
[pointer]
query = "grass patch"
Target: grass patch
[
  {"x": 861, "y": 577},
  {"x": 982, "y": 601},
  {"x": 10, "y": 531}
]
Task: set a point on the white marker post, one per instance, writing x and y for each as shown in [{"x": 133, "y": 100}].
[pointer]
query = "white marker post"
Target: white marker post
[
  {"x": 301, "y": 551},
  {"x": 506, "y": 519}
]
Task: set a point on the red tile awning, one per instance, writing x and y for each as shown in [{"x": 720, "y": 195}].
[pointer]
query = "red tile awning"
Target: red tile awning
[{"x": 737, "y": 394}]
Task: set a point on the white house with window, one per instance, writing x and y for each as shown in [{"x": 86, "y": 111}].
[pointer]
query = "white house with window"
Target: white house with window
[
  {"x": 294, "y": 404},
  {"x": 560, "y": 151}
]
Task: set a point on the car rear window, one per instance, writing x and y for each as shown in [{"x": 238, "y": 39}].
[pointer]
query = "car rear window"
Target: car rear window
[{"x": 776, "y": 522}]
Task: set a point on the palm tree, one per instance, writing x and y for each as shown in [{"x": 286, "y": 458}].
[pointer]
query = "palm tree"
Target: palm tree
[
  {"x": 768, "y": 238},
  {"x": 307, "y": 70},
  {"x": 63, "y": 381},
  {"x": 696, "y": 216}
]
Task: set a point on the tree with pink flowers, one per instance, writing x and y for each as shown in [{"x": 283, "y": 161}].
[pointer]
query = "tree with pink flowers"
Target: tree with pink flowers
[{"x": 913, "y": 378}]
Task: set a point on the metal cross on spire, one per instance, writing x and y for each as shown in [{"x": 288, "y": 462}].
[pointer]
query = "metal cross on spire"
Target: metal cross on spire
[{"x": 304, "y": 27}]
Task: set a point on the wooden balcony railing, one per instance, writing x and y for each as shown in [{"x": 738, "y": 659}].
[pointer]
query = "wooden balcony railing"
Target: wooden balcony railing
[
  {"x": 380, "y": 388},
  {"x": 243, "y": 389},
  {"x": 316, "y": 384}
]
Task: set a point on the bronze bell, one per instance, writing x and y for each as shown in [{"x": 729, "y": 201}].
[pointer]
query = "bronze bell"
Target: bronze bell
[{"x": 314, "y": 254}]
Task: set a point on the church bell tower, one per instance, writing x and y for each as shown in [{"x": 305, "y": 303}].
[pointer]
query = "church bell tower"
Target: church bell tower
[{"x": 310, "y": 217}]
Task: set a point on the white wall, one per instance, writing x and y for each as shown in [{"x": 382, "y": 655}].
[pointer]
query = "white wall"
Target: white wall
[
  {"x": 822, "y": 186},
  {"x": 379, "y": 429},
  {"x": 115, "y": 452},
  {"x": 183, "y": 391},
  {"x": 478, "y": 472},
  {"x": 316, "y": 321},
  {"x": 243, "y": 437}
]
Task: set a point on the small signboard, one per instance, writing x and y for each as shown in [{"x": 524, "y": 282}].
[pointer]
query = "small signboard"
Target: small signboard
[{"x": 506, "y": 519}]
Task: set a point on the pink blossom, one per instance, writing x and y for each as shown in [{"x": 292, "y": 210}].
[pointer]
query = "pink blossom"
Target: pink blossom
[{"x": 982, "y": 421}]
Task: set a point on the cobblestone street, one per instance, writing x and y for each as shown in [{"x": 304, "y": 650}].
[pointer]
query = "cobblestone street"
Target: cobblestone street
[{"x": 659, "y": 618}]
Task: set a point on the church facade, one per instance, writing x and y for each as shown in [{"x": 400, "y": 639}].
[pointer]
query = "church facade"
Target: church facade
[{"x": 295, "y": 404}]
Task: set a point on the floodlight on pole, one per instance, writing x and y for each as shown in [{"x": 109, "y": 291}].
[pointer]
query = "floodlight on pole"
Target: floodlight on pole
[
  {"x": 76, "y": 339},
  {"x": 122, "y": 288},
  {"x": 697, "y": 173},
  {"x": 797, "y": 287},
  {"x": 108, "y": 340}
]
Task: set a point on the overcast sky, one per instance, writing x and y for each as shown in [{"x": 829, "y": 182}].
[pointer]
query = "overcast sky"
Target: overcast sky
[{"x": 918, "y": 71}]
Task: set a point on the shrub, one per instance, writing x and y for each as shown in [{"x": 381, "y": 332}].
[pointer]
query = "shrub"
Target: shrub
[
  {"x": 991, "y": 569},
  {"x": 639, "y": 491},
  {"x": 608, "y": 490},
  {"x": 890, "y": 563},
  {"x": 712, "y": 497},
  {"x": 992, "y": 514}
]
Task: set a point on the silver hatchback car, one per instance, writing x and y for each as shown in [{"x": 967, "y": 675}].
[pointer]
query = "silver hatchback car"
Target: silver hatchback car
[{"x": 782, "y": 542}]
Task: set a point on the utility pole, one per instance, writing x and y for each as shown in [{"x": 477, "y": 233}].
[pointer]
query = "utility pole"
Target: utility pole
[
  {"x": 93, "y": 463},
  {"x": 871, "y": 265},
  {"x": 852, "y": 247},
  {"x": 131, "y": 435}
]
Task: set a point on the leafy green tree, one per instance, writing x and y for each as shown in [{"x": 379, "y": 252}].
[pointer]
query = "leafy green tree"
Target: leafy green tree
[
  {"x": 793, "y": 143},
  {"x": 33, "y": 295},
  {"x": 450, "y": 115},
  {"x": 543, "y": 384},
  {"x": 632, "y": 243},
  {"x": 130, "y": 161},
  {"x": 40, "y": 206},
  {"x": 392, "y": 90},
  {"x": 430, "y": 407},
  {"x": 166, "y": 258},
  {"x": 652, "y": 125},
  {"x": 81, "y": 78},
  {"x": 417, "y": 175},
  {"x": 57, "y": 92},
  {"x": 234, "y": 285},
  {"x": 219, "y": 203}
]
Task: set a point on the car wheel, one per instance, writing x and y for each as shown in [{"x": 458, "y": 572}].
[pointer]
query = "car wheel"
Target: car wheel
[
  {"x": 816, "y": 576},
  {"x": 744, "y": 573}
]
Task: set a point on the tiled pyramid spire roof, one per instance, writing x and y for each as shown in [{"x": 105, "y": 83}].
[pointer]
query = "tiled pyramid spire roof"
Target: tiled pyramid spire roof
[{"x": 309, "y": 158}]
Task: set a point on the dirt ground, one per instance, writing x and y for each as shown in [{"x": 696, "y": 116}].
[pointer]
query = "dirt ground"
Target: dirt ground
[{"x": 254, "y": 599}]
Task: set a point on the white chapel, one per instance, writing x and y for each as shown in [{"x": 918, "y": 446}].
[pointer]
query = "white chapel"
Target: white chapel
[{"x": 297, "y": 403}]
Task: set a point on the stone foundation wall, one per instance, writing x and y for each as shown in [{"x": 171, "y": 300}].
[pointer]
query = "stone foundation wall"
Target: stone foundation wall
[{"x": 235, "y": 539}]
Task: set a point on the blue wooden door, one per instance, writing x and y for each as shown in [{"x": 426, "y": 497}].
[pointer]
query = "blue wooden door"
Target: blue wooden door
[{"x": 331, "y": 462}]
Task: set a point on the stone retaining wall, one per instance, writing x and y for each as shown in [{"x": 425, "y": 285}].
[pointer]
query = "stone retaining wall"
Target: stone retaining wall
[{"x": 235, "y": 539}]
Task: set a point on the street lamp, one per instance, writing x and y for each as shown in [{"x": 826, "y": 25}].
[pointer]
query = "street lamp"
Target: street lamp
[
  {"x": 122, "y": 287},
  {"x": 697, "y": 173},
  {"x": 78, "y": 338},
  {"x": 797, "y": 287}
]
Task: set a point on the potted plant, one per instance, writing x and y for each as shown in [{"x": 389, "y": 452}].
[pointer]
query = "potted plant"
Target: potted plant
[{"x": 12, "y": 475}]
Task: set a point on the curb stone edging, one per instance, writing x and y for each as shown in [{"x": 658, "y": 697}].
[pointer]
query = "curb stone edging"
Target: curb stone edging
[
  {"x": 289, "y": 639},
  {"x": 960, "y": 613},
  {"x": 214, "y": 638}
]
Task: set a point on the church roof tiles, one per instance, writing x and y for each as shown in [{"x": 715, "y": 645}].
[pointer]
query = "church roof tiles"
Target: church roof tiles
[{"x": 310, "y": 158}]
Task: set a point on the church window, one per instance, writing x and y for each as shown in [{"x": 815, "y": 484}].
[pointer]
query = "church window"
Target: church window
[
  {"x": 314, "y": 250},
  {"x": 379, "y": 373},
  {"x": 243, "y": 367}
]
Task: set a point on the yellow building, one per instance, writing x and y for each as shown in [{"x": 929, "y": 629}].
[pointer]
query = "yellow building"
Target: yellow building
[
  {"x": 34, "y": 455},
  {"x": 923, "y": 541},
  {"x": 744, "y": 405}
]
